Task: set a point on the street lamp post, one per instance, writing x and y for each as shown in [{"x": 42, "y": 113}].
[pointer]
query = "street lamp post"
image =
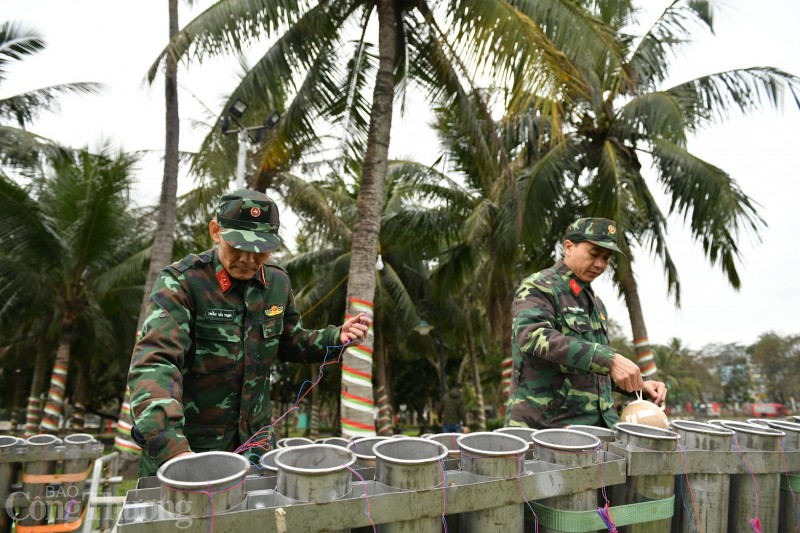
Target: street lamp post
[{"x": 235, "y": 113}]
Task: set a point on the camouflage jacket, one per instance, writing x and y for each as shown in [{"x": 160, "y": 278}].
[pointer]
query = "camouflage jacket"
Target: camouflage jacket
[
  {"x": 199, "y": 376},
  {"x": 561, "y": 354}
]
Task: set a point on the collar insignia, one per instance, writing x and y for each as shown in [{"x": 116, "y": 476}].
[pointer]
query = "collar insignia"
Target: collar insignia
[
  {"x": 224, "y": 280},
  {"x": 575, "y": 287}
]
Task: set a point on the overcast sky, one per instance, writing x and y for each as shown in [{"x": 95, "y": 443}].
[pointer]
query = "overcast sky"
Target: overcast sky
[{"x": 115, "y": 43}]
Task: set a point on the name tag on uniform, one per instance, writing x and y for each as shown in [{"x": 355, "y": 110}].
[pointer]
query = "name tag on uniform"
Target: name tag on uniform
[{"x": 219, "y": 314}]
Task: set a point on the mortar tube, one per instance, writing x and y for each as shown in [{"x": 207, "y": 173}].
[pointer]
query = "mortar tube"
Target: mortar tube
[
  {"x": 363, "y": 448},
  {"x": 293, "y": 441},
  {"x": 571, "y": 448},
  {"x": 267, "y": 465},
  {"x": 709, "y": 491},
  {"x": 605, "y": 434},
  {"x": 646, "y": 488},
  {"x": 450, "y": 441},
  {"x": 411, "y": 464},
  {"x": 497, "y": 455},
  {"x": 316, "y": 473},
  {"x": 744, "y": 493},
  {"x": 38, "y": 512},
  {"x": 789, "y": 507},
  {"x": 75, "y": 490},
  {"x": 523, "y": 433},
  {"x": 203, "y": 484},
  {"x": 335, "y": 441},
  {"x": 9, "y": 469}
]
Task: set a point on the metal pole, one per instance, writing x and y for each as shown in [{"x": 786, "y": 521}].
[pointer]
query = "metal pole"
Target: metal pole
[{"x": 242, "y": 137}]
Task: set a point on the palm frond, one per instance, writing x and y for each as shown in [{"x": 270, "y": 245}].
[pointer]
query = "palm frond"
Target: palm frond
[
  {"x": 650, "y": 60},
  {"x": 398, "y": 301},
  {"x": 710, "y": 201},
  {"x": 220, "y": 30},
  {"x": 16, "y": 43},
  {"x": 651, "y": 115},
  {"x": 27, "y": 230},
  {"x": 24, "y": 108},
  {"x": 712, "y": 97},
  {"x": 543, "y": 189}
]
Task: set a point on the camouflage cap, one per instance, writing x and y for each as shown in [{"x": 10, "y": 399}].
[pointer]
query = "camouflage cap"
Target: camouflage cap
[
  {"x": 599, "y": 231},
  {"x": 249, "y": 221}
]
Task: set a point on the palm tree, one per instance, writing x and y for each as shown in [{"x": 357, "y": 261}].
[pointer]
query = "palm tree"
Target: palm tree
[
  {"x": 17, "y": 145},
  {"x": 164, "y": 234},
  {"x": 73, "y": 224},
  {"x": 165, "y": 217},
  {"x": 412, "y": 46},
  {"x": 615, "y": 123}
]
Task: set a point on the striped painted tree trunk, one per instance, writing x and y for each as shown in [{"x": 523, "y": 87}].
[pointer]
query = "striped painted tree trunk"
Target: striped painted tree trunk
[
  {"x": 641, "y": 344},
  {"x": 381, "y": 380},
  {"x": 33, "y": 416},
  {"x": 384, "y": 412},
  {"x": 122, "y": 440},
  {"x": 357, "y": 403},
  {"x": 54, "y": 405}
]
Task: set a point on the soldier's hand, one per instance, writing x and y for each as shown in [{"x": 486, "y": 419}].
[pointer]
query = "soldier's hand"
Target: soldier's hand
[
  {"x": 656, "y": 390},
  {"x": 355, "y": 329},
  {"x": 626, "y": 373}
]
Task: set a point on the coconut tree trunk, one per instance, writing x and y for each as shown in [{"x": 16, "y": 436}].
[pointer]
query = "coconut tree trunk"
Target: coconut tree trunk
[
  {"x": 19, "y": 399},
  {"x": 382, "y": 392},
  {"x": 356, "y": 397},
  {"x": 476, "y": 377},
  {"x": 165, "y": 217},
  {"x": 33, "y": 414},
  {"x": 161, "y": 254},
  {"x": 76, "y": 418},
  {"x": 54, "y": 405},
  {"x": 644, "y": 355}
]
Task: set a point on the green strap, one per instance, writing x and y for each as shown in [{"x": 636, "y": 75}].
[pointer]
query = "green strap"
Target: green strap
[
  {"x": 794, "y": 482},
  {"x": 585, "y": 521}
]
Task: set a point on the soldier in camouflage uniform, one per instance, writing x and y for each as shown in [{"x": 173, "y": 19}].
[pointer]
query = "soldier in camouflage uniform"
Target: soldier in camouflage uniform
[
  {"x": 216, "y": 321},
  {"x": 563, "y": 367}
]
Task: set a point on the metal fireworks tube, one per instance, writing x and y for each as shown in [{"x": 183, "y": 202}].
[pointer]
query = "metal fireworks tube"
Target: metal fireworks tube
[
  {"x": 646, "y": 488},
  {"x": 411, "y": 464},
  {"x": 496, "y": 455},
  {"x": 709, "y": 491}
]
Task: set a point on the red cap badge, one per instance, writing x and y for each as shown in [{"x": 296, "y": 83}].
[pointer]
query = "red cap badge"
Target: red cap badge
[{"x": 255, "y": 212}]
